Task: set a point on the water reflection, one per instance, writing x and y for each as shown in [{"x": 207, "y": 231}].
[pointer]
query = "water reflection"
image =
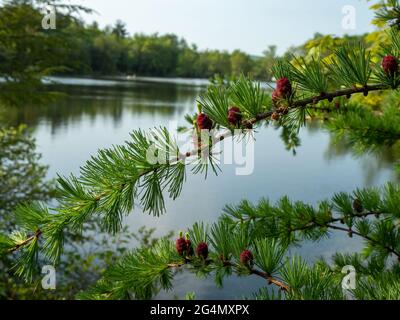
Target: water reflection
[
  {"x": 107, "y": 100},
  {"x": 382, "y": 158}
]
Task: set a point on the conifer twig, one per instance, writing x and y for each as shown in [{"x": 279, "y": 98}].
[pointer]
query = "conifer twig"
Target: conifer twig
[
  {"x": 245, "y": 123},
  {"x": 271, "y": 280},
  {"x": 390, "y": 249},
  {"x": 321, "y": 97},
  {"x": 37, "y": 234},
  {"x": 328, "y": 224}
]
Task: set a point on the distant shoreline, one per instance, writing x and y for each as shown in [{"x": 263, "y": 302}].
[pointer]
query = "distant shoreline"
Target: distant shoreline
[{"x": 117, "y": 80}]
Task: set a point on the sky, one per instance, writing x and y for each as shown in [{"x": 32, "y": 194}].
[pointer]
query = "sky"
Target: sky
[{"x": 249, "y": 25}]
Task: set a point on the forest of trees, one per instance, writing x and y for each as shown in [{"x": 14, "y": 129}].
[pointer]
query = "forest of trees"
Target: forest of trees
[
  {"x": 76, "y": 48},
  {"x": 87, "y": 50},
  {"x": 112, "y": 51}
]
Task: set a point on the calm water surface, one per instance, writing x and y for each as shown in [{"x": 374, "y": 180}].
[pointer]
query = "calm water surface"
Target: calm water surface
[{"x": 99, "y": 113}]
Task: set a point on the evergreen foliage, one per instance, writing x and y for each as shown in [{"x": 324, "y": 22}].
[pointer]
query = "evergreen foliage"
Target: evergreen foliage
[
  {"x": 269, "y": 231},
  {"x": 23, "y": 180},
  {"x": 21, "y": 175},
  {"x": 248, "y": 239}
]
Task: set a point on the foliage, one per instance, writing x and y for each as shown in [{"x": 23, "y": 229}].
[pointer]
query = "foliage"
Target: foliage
[
  {"x": 21, "y": 174},
  {"x": 310, "y": 76},
  {"x": 112, "y": 51},
  {"x": 387, "y": 12},
  {"x": 23, "y": 180},
  {"x": 113, "y": 181},
  {"x": 366, "y": 130},
  {"x": 269, "y": 231},
  {"x": 27, "y": 51},
  {"x": 79, "y": 49},
  {"x": 351, "y": 66}
]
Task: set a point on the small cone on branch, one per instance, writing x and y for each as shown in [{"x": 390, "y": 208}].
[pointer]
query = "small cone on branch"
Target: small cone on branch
[
  {"x": 202, "y": 250},
  {"x": 283, "y": 90},
  {"x": 204, "y": 122},
  {"x": 234, "y": 115},
  {"x": 390, "y": 65},
  {"x": 284, "y": 87},
  {"x": 246, "y": 258},
  {"x": 180, "y": 244}
]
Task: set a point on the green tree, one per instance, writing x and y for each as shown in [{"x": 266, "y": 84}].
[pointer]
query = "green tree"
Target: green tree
[
  {"x": 241, "y": 63},
  {"x": 105, "y": 54},
  {"x": 213, "y": 62},
  {"x": 187, "y": 62},
  {"x": 265, "y": 63},
  {"x": 119, "y": 30},
  {"x": 27, "y": 51},
  {"x": 22, "y": 177}
]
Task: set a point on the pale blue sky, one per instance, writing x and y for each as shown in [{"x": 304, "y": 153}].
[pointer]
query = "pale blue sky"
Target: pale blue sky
[{"x": 250, "y": 25}]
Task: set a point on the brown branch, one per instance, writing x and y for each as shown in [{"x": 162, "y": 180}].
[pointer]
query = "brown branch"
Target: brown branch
[
  {"x": 328, "y": 224},
  {"x": 321, "y": 97},
  {"x": 351, "y": 231},
  {"x": 339, "y": 93},
  {"x": 389, "y": 249},
  {"x": 313, "y": 223},
  {"x": 271, "y": 280},
  {"x": 26, "y": 241}
]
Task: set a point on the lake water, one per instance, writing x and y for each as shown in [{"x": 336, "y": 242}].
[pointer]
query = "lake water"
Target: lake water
[{"x": 99, "y": 113}]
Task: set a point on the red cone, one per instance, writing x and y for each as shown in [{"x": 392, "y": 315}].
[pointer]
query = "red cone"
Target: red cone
[
  {"x": 204, "y": 122},
  {"x": 202, "y": 250},
  {"x": 234, "y": 115},
  {"x": 390, "y": 65}
]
